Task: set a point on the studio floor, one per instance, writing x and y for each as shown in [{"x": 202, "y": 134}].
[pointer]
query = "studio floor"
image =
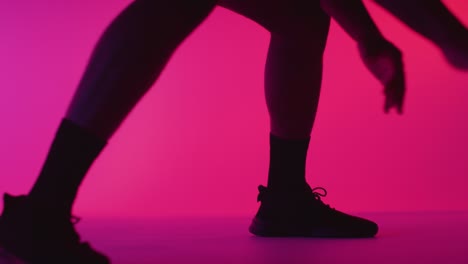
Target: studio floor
[{"x": 435, "y": 237}]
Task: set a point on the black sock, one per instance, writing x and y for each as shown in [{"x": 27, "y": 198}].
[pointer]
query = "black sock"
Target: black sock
[
  {"x": 287, "y": 163},
  {"x": 71, "y": 155}
]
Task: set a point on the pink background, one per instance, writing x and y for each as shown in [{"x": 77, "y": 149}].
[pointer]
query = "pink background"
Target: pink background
[{"x": 197, "y": 144}]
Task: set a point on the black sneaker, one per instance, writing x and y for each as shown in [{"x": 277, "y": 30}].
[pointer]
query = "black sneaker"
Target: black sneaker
[
  {"x": 39, "y": 238},
  {"x": 303, "y": 214}
]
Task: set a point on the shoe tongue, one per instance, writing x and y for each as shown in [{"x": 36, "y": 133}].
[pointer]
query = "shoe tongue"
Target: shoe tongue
[
  {"x": 23, "y": 202},
  {"x": 12, "y": 200},
  {"x": 50, "y": 217}
]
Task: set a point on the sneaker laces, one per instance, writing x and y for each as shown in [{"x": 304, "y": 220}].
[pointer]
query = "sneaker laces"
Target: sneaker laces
[
  {"x": 317, "y": 196},
  {"x": 316, "y": 193}
]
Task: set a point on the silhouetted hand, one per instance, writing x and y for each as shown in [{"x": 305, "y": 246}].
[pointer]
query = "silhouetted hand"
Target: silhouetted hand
[{"x": 384, "y": 61}]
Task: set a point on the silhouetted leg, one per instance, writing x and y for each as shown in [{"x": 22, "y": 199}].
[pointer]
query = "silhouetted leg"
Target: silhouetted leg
[
  {"x": 293, "y": 72},
  {"x": 126, "y": 61},
  {"x": 433, "y": 20},
  {"x": 293, "y": 75},
  {"x": 293, "y": 78},
  {"x": 129, "y": 58}
]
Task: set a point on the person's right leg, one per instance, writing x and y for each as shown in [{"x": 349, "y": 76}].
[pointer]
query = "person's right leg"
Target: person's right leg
[
  {"x": 293, "y": 77},
  {"x": 126, "y": 61},
  {"x": 434, "y": 21}
]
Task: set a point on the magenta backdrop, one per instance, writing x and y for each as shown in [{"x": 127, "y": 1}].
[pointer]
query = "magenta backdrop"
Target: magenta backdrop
[{"x": 198, "y": 142}]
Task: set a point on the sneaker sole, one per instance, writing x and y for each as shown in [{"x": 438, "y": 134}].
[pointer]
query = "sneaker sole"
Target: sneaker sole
[
  {"x": 267, "y": 229},
  {"x": 6, "y": 255}
]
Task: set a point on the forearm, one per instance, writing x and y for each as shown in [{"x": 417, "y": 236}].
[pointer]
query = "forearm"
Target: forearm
[
  {"x": 430, "y": 18},
  {"x": 354, "y": 18}
]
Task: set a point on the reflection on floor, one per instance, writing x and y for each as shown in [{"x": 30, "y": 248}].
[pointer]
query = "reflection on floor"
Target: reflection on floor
[{"x": 403, "y": 238}]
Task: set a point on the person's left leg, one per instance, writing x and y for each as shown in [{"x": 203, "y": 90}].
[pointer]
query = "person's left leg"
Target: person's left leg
[{"x": 127, "y": 60}]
